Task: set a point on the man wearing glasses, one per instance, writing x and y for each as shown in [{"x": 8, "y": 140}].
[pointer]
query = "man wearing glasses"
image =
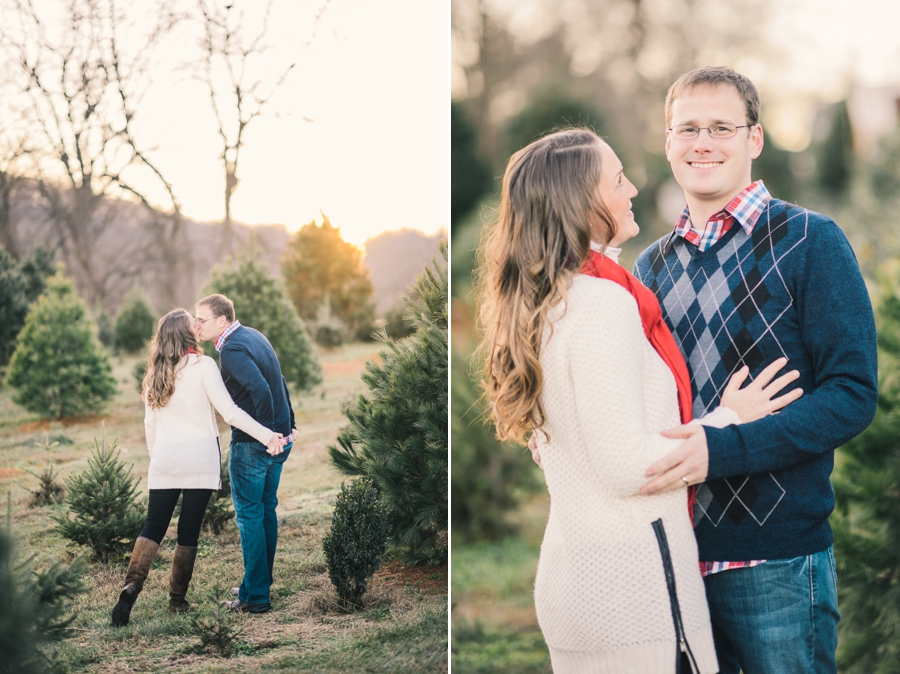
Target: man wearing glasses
[
  {"x": 745, "y": 279},
  {"x": 252, "y": 375}
]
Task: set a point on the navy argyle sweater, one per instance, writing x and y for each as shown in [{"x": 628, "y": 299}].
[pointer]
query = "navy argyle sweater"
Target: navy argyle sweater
[{"x": 792, "y": 288}]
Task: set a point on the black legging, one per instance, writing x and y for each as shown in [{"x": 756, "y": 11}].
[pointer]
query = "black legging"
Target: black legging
[{"x": 162, "y": 505}]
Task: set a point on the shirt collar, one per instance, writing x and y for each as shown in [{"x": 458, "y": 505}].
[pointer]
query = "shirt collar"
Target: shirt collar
[
  {"x": 612, "y": 252},
  {"x": 746, "y": 208},
  {"x": 220, "y": 342}
]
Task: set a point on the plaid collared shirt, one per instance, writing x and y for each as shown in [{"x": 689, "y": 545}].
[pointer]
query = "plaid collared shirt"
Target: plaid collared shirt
[
  {"x": 745, "y": 209},
  {"x": 220, "y": 342}
]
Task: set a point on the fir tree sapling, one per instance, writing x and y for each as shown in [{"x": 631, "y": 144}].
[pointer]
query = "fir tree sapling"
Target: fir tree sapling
[
  {"x": 34, "y": 608},
  {"x": 867, "y": 520},
  {"x": 135, "y": 323},
  {"x": 357, "y": 541},
  {"x": 107, "y": 517},
  {"x": 58, "y": 368},
  {"x": 397, "y": 434},
  {"x": 49, "y": 489},
  {"x": 260, "y": 302}
]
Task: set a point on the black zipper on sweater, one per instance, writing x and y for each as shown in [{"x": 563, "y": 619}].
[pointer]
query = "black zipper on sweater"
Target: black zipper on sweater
[{"x": 673, "y": 596}]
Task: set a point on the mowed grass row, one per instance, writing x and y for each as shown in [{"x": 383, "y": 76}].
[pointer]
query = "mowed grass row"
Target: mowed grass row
[{"x": 403, "y": 626}]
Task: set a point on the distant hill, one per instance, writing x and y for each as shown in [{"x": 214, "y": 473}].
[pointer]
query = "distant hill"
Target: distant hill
[
  {"x": 128, "y": 252},
  {"x": 395, "y": 258}
]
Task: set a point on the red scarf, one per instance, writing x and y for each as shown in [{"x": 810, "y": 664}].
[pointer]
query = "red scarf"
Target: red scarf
[{"x": 655, "y": 328}]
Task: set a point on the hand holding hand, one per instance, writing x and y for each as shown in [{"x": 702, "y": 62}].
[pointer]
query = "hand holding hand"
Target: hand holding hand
[
  {"x": 686, "y": 464},
  {"x": 535, "y": 452},
  {"x": 276, "y": 444},
  {"x": 757, "y": 400}
]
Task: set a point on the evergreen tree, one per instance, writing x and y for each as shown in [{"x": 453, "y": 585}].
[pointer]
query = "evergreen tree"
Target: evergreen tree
[
  {"x": 260, "y": 302},
  {"x": 549, "y": 110},
  {"x": 33, "y": 608},
  {"x": 867, "y": 520},
  {"x": 135, "y": 323},
  {"x": 20, "y": 285},
  {"x": 102, "y": 499},
  {"x": 489, "y": 479},
  {"x": 58, "y": 367},
  {"x": 398, "y": 432},
  {"x": 470, "y": 176},
  {"x": 319, "y": 265},
  {"x": 834, "y": 160}
]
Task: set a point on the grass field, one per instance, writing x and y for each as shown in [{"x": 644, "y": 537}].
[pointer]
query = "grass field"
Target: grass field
[
  {"x": 494, "y": 624},
  {"x": 402, "y": 628}
]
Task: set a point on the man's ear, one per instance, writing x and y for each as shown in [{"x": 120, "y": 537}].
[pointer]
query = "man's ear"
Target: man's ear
[{"x": 756, "y": 141}]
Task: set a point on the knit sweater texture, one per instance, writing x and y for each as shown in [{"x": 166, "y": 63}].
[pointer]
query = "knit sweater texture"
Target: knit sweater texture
[
  {"x": 791, "y": 288},
  {"x": 183, "y": 437},
  {"x": 600, "y": 591},
  {"x": 252, "y": 375}
]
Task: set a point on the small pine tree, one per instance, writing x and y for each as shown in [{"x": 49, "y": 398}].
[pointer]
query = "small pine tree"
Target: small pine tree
[
  {"x": 102, "y": 498},
  {"x": 867, "y": 520},
  {"x": 135, "y": 323},
  {"x": 398, "y": 433},
  {"x": 357, "y": 541},
  {"x": 49, "y": 489},
  {"x": 58, "y": 368},
  {"x": 34, "y": 608},
  {"x": 260, "y": 302},
  {"x": 20, "y": 285}
]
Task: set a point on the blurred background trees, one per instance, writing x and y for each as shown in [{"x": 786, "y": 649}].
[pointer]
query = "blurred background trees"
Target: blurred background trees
[{"x": 325, "y": 277}]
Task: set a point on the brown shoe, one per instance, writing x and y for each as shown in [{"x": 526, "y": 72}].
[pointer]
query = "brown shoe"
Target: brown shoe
[
  {"x": 138, "y": 568},
  {"x": 182, "y": 572}
]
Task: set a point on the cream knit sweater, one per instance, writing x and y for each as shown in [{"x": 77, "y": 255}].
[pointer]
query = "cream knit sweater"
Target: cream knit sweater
[
  {"x": 600, "y": 590},
  {"x": 183, "y": 437}
]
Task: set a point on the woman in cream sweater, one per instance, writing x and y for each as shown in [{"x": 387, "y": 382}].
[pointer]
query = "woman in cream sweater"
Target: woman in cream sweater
[
  {"x": 182, "y": 390},
  {"x": 576, "y": 351}
]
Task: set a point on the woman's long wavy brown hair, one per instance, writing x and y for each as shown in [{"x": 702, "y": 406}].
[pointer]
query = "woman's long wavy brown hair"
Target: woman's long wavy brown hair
[
  {"x": 174, "y": 338},
  {"x": 549, "y": 211}
]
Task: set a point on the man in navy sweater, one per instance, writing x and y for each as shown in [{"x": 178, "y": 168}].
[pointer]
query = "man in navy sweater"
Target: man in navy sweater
[
  {"x": 252, "y": 375},
  {"x": 745, "y": 279}
]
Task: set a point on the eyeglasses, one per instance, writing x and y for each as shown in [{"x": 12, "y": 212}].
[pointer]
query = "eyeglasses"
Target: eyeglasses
[
  {"x": 201, "y": 321},
  {"x": 717, "y": 131}
]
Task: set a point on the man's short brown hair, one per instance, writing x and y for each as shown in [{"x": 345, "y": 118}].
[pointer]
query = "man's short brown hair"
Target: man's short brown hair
[
  {"x": 714, "y": 76},
  {"x": 219, "y": 305}
]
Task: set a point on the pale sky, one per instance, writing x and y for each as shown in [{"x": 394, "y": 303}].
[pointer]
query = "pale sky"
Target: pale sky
[{"x": 375, "y": 82}]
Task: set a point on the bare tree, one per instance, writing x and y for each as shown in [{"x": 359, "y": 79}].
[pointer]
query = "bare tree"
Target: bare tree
[
  {"x": 82, "y": 98},
  {"x": 13, "y": 149},
  {"x": 236, "y": 94}
]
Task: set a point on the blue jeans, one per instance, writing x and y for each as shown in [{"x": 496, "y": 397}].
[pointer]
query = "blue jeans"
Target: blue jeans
[
  {"x": 254, "y": 489},
  {"x": 779, "y": 617}
]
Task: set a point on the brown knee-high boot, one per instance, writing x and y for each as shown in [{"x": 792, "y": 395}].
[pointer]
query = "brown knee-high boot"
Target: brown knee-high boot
[
  {"x": 182, "y": 571},
  {"x": 141, "y": 560}
]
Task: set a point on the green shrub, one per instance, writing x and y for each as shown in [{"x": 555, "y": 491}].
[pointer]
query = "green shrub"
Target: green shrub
[
  {"x": 397, "y": 434},
  {"x": 397, "y": 324},
  {"x": 260, "y": 302},
  {"x": 102, "y": 499},
  {"x": 135, "y": 323},
  {"x": 58, "y": 368},
  {"x": 33, "y": 608},
  {"x": 357, "y": 541}
]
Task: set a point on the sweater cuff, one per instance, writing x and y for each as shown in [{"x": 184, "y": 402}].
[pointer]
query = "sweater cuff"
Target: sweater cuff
[{"x": 726, "y": 452}]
